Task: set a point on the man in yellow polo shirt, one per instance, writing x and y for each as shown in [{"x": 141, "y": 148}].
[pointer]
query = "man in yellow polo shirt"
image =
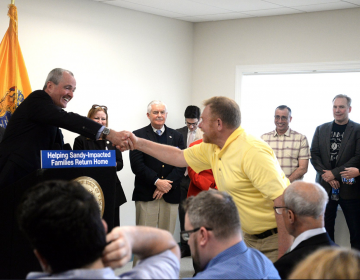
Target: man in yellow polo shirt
[{"x": 243, "y": 165}]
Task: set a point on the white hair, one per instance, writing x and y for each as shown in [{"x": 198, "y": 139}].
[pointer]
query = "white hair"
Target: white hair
[
  {"x": 155, "y": 102},
  {"x": 306, "y": 203}
]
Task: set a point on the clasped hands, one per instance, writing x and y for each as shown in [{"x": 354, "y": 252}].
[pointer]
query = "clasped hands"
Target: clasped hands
[
  {"x": 330, "y": 178},
  {"x": 162, "y": 186}
]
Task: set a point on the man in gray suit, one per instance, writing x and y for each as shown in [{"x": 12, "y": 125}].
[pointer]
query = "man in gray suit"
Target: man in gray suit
[
  {"x": 190, "y": 133},
  {"x": 335, "y": 146}
]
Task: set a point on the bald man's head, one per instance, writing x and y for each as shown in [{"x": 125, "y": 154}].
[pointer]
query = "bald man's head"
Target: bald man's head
[{"x": 306, "y": 199}]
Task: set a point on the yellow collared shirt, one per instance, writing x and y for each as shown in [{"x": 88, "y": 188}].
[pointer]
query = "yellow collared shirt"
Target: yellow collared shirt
[{"x": 247, "y": 169}]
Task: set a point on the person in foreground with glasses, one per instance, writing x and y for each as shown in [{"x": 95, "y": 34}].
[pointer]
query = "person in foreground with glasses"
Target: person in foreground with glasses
[
  {"x": 63, "y": 224},
  {"x": 303, "y": 213},
  {"x": 213, "y": 232},
  {"x": 99, "y": 114}
]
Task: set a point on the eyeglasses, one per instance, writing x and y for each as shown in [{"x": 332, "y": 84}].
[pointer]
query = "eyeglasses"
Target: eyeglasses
[
  {"x": 186, "y": 234},
  {"x": 99, "y": 106},
  {"x": 279, "y": 209},
  {"x": 190, "y": 124},
  {"x": 283, "y": 118}
]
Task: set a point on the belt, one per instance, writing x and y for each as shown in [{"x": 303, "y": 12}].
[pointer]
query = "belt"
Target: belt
[{"x": 266, "y": 233}]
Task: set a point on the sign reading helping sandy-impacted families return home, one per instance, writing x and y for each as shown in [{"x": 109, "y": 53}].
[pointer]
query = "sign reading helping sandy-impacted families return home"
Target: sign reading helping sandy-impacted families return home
[{"x": 65, "y": 159}]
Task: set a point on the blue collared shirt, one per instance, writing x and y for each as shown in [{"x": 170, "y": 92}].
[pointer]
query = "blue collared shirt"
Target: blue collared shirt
[
  {"x": 162, "y": 266},
  {"x": 239, "y": 262}
]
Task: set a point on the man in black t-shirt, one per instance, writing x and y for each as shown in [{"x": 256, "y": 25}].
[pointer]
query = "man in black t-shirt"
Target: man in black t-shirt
[{"x": 335, "y": 146}]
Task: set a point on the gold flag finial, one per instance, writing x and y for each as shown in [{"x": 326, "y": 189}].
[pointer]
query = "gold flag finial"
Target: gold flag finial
[{"x": 12, "y": 2}]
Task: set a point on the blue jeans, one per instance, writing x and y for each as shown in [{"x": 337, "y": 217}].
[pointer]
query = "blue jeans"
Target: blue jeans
[{"x": 351, "y": 210}]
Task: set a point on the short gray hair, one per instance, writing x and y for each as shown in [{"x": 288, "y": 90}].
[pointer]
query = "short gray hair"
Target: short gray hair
[
  {"x": 55, "y": 76},
  {"x": 155, "y": 102},
  {"x": 348, "y": 99},
  {"x": 306, "y": 199},
  {"x": 216, "y": 210}
]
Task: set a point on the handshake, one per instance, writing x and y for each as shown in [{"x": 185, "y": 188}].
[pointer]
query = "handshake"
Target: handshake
[{"x": 123, "y": 140}]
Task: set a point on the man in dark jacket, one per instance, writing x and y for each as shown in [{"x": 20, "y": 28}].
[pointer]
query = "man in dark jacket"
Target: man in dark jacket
[
  {"x": 157, "y": 192},
  {"x": 303, "y": 213},
  {"x": 335, "y": 146},
  {"x": 34, "y": 126}
]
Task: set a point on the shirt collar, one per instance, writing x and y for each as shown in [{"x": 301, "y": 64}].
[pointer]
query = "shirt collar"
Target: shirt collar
[
  {"x": 287, "y": 133},
  {"x": 306, "y": 235},
  {"x": 237, "y": 249},
  {"x": 162, "y": 129},
  {"x": 236, "y": 133}
]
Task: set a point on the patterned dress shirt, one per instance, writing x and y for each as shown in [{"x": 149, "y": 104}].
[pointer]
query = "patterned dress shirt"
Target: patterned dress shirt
[{"x": 289, "y": 148}]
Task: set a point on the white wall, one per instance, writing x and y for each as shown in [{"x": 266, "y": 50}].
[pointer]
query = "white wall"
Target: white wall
[
  {"x": 299, "y": 38},
  {"x": 121, "y": 58}
]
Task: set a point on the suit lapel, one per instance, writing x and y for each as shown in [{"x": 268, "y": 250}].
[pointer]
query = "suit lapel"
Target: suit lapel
[
  {"x": 348, "y": 131},
  {"x": 169, "y": 136},
  {"x": 326, "y": 141},
  {"x": 150, "y": 133}
]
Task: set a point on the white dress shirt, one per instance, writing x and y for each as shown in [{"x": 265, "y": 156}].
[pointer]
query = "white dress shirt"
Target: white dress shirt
[{"x": 306, "y": 235}]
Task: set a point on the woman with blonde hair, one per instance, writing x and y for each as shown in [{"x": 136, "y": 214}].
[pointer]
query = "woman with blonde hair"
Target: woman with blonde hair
[
  {"x": 98, "y": 113},
  {"x": 329, "y": 263}
]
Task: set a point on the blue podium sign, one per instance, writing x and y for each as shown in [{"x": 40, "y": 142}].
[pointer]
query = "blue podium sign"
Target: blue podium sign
[{"x": 88, "y": 158}]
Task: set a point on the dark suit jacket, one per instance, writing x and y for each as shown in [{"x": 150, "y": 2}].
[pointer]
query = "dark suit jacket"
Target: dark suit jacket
[
  {"x": 148, "y": 169},
  {"x": 287, "y": 262},
  {"x": 184, "y": 131},
  {"x": 349, "y": 156},
  {"x": 2, "y": 130},
  {"x": 34, "y": 126},
  {"x": 83, "y": 143}
]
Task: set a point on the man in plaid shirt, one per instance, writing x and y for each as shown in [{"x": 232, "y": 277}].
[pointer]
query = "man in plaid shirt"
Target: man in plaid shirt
[{"x": 290, "y": 147}]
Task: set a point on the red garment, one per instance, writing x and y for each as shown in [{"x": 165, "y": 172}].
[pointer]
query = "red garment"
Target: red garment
[{"x": 202, "y": 181}]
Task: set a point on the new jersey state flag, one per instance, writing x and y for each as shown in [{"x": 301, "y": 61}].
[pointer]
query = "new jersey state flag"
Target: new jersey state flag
[{"x": 14, "y": 80}]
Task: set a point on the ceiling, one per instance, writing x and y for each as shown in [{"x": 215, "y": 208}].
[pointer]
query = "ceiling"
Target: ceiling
[{"x": 213, "y": 10}]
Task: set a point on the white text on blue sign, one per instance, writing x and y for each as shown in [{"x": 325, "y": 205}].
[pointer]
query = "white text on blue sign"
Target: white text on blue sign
[{"x": 65, "y": 159}]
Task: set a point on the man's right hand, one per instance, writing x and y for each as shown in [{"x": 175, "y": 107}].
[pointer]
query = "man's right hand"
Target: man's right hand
[
  {"x": 334, "y": 184},
  {"x": 118, "y": 252},
  {"x": 164, "y": 185},
  {"x": 120, "y": 140},
  {"x": 158, "y": 194}
]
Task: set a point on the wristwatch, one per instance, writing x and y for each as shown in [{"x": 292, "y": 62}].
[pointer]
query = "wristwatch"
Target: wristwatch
[{"x": 105, "y": 133}]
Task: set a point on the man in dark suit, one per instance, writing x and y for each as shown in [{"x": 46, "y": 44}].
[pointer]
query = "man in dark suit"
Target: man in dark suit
[
  {"x": 303, "y": 213},
  {"x": 34, "y": 126},
  {"x": 336, "y": 146},
  {"x": 157, "y": 192},
  {"x": 190, "y": 133}
]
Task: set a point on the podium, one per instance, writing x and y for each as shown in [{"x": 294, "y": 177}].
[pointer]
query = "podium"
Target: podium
[{"x": 16, "y": 256}]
